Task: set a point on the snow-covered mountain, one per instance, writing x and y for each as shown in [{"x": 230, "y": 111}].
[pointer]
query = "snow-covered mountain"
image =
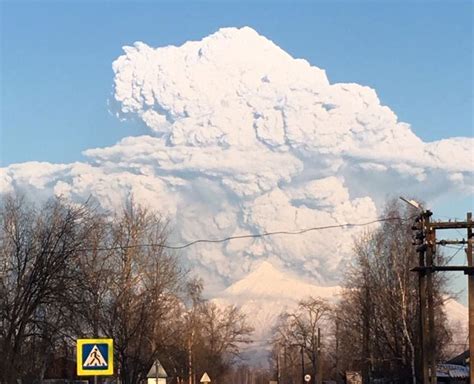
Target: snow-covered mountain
[
  {"x": 268, "y": 282},
  {"x": 458, "y": 323},
  {"x": 267, "y": 291}
]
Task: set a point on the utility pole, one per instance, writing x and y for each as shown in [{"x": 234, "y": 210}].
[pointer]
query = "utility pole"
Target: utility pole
[
  {"x": 420, "y": 235},
  {"x": 469, "y": 270},
  {"x": 319, "y": 365},
  {"x": 427, "y": 230},
  {"x": 190, "y": 356},
  {"x": 470, "y": 280},
  {"x": 302, "y": 364},
  {"x": 430, "y": 252},
  {"x": 278, "y": 365},
  {"x": 366, "y": 324},
  {"x": 338, "y": 379}
]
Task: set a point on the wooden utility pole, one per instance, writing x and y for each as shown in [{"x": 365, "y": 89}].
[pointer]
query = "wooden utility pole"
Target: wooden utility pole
[
  {"x": 468, "y": 271},
  {"x": 302, "y": 364},
  {"x": 338, "y": 374},
  {"x": 366, "y": 323},
  {"x": 420, "y": 225},
  {"x": 278, "y": 365},
  {"x": 190, "y": 357},
  {"x": 471, "y": 295},
  {"x": 427, "y": 243},
  {"x": 319, "y": 365},
  {"x": 430, "y": 252}
]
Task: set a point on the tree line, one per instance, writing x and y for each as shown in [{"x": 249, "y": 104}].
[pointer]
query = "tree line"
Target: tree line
[
  {"x": 71, "y": 271},
  {"x": 373, "y": 327}
]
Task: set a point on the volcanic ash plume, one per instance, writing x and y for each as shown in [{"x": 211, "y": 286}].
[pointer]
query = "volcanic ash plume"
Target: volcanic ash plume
[{"x": 244, "y": 139}]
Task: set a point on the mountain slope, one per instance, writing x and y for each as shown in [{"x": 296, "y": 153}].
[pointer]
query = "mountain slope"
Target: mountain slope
[{"x": 267, "y": 291}]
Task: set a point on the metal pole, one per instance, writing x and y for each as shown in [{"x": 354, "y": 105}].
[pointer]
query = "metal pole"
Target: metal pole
[{"x": 470, "y": 280}]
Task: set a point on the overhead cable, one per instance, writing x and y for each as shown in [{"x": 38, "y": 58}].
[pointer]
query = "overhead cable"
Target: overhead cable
[{"x": 250, "y": 236}]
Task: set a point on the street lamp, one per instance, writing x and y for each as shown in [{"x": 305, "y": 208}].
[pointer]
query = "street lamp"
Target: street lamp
[{"x": 413, "y": 203}]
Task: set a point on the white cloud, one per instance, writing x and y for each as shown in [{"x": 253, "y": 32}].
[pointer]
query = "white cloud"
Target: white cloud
[{"x": 243, "y": 139}]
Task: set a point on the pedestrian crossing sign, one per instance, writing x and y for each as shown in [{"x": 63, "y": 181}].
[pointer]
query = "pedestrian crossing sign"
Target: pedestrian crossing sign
[{"x": 95, "y": 357}]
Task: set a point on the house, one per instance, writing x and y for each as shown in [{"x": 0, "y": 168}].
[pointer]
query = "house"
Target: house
[
  {"x": 461, "y": 359},
  {"x": 452, "y": 373},
  {"x": 455, "y": 370}
]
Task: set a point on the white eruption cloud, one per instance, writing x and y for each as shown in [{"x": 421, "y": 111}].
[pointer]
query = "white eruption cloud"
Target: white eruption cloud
[{"x": 243, "y": 138}]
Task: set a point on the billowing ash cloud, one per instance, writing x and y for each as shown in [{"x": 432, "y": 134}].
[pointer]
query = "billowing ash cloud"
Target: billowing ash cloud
[{"x": 244, "y": 139}]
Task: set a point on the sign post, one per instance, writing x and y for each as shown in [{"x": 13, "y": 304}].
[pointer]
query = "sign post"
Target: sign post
[{"x": 95, "y": 357}]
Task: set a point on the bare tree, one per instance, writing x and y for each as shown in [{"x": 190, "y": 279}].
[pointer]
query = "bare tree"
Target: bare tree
[
  {"x": 38, "y": 248},
  {"x": 378, "y": 329},
  {"x": 297, "y": 332},
  {"x": 219, "y": 334},
  {"x": 132, "y": 289},
  {"x": 68, "y": 272}
]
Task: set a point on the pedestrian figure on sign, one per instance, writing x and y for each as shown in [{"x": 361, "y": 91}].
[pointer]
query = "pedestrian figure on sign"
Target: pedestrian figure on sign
[{"x": 95, "y": 358}]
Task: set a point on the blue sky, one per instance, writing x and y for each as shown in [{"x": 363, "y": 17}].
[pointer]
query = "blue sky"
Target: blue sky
[{"x": 56, "y": 62}]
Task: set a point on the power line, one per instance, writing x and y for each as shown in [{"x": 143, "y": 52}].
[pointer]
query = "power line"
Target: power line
[
  {"x": 252, "y": 236},
  {"x": 455, "y": 219},
  {"x": 458, "y": 250}
]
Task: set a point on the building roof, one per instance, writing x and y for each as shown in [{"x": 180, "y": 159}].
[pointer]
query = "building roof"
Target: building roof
[
  {"x": 452, "y": 370},
  {"x": 461, "y": 359}
]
